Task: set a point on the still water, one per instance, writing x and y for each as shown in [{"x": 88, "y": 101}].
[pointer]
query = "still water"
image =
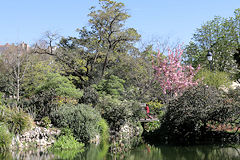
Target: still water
[{"x": 143, "y": 152}]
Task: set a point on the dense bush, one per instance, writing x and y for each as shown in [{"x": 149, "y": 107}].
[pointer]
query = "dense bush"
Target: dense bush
[
  {"x": 90, "y": 96},
  {"x": 5, "y": 137},
  {"x": 190, "y": 113},
  {"x": 50, "y": 93},
  {"x": 81, "y": 119},
  {"x": 215, "y": 79},
  {"x": 232, "y": 97},
  {"x": 117, "y": 112},
  {"x": 16, "y": 120}
]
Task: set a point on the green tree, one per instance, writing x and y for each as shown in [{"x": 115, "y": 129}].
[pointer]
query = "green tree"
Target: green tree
[
  {"x": 46, "y": 88},
  {"x": 217, "y": 36},
  {"x": 112, "y": 86},
  {"x": 87, "y": 57}
]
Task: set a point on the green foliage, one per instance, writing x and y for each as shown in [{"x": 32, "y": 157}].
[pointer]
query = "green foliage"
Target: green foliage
[
  {"x": 136, "y": 70},
  {"x": 156, "y": 108},
  {"x": 6, "y": 156},
  {"x": 45, "y": 121},
  {"x": 16, "y": 120},
  {"x": 66, "y": 132},
  {"x": 117, "y": 112},
  {"x": 90, "y": 96},
  {"x": 81, "y": 119},
  {"x": 188, "y": 115},
  {"x": 37, "y": 73},
  {"x": 99, "y": 47},
  {"x": 216, "y": 79},
  {"x": 113, "y": 85},
  {"x": 104, "y": 144},
  {"x": 152, "y": 126},
  {"x": 59, "y": 86},
  {"x": 232, "y": 97},
  {"x": 221, "y": 37},
  {"x": 1, "y": 99},
  {"x": 5, "y": 138},
  {"x": 67, "y": 142},
  {"x": 55, "y": 90},
  {"x": 104, "y": 130}
]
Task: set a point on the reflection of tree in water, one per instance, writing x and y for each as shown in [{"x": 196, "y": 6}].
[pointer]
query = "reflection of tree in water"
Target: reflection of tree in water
[
  {"x": 143, "y": 152},
  {"x": 199, "y": 153},
  {"x": 95, "y": 152},
  {"x": 184, "y": 153}
]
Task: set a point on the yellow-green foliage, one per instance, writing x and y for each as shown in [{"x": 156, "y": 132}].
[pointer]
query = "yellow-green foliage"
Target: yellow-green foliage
[
  {"x": 67, "y": 142},
  {"x": 152, "y": 126},
  {"x": 66, "y": 146},
  {"x": 16, "y": 120},
  {"x": 104, "y": 130},
  {"x": 156, "y": 108},
  {"x": 5, "y": 137},
  {"x": 213, "y": 78},
  {"x": 46, "y": 122}
]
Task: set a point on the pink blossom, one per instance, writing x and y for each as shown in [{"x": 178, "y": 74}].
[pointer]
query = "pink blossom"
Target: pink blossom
[{"x": 173, "y": 76}]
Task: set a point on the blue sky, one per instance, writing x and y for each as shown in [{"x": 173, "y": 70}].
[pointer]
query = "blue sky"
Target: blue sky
[{"x": 27, "y": 20}]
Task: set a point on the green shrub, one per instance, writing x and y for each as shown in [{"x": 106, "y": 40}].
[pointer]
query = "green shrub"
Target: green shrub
[
  {"x": 67, "y": 142},
  {"x": 81, "y": 119},
  {"x": 117, "y": 112},
  {"x": 90, "y": 96},
  {"x": 215, "y": 79},
  {"x": 66, "y": 132},
  {"x": 189, "y": 114},
  {"x": 16, "y": 120},
  {"x": 51, "y": 93},
  {"x": 232, "y": 97},
  {"x": 5, "y": 137}
]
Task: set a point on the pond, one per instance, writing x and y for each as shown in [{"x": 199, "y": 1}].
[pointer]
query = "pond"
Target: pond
[{"x": 143, "y": 152}]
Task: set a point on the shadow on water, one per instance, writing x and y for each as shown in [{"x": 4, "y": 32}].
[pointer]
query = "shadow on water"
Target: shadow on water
[{"x": 143, "y": 152}]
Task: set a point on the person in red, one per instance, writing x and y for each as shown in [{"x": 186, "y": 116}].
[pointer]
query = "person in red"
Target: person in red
[{"x": 148, "y": 112}]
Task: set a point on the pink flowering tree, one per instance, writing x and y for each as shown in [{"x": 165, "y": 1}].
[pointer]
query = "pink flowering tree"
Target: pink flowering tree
[{"x": 173, "y": 76}]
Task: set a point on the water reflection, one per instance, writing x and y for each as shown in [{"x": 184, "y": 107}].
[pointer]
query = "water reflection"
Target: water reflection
[
  {"x": 143, "y": 152},
  {"x": 184, "y": 153}
]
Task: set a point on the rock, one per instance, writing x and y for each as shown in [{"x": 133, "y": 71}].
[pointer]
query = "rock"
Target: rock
[
  {"x": 234, "y": 85},
  {"x": 37, "y": 136}
]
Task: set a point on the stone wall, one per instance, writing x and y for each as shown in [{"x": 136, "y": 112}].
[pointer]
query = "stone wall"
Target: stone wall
[{"x": 36, "y": 137}]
